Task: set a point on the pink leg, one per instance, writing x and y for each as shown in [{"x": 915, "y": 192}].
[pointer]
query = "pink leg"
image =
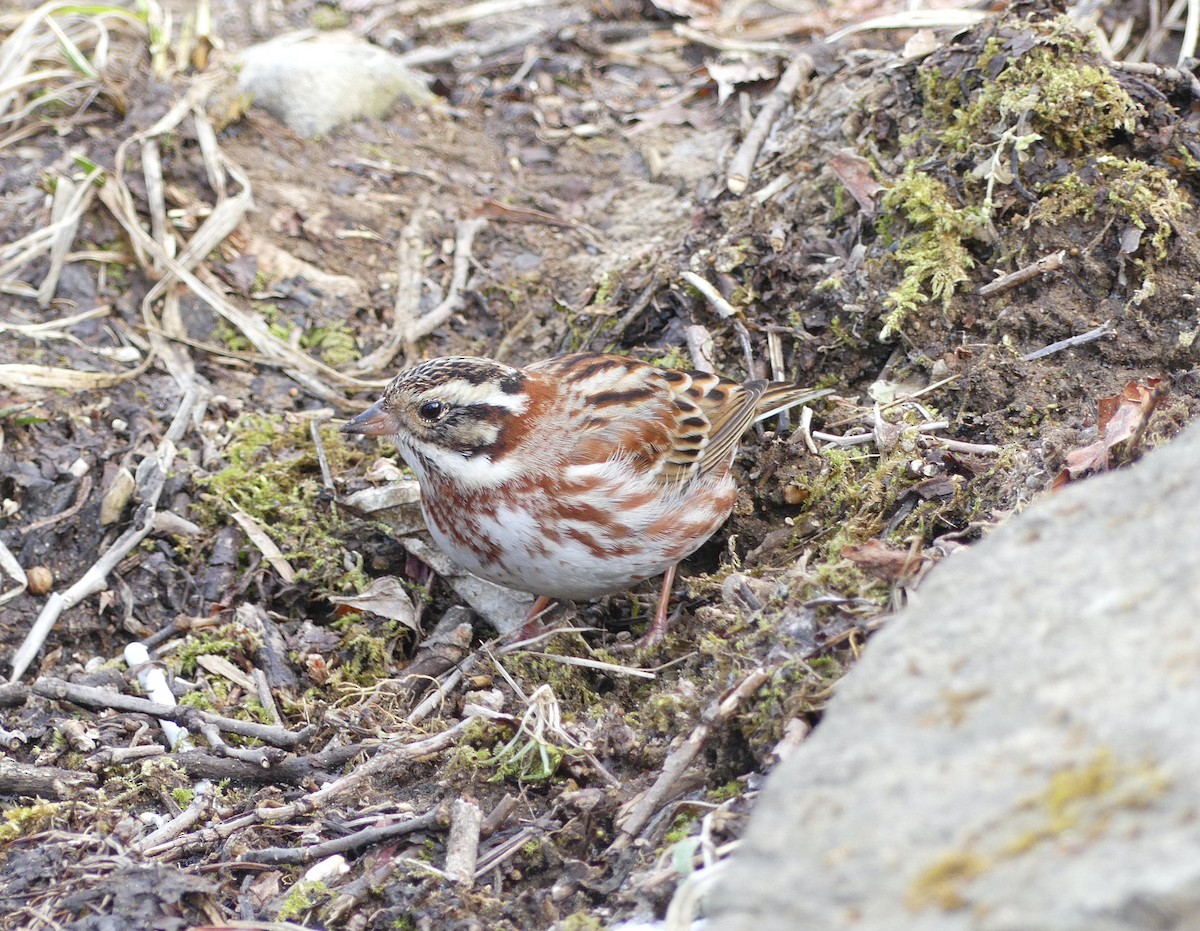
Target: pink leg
[
  {"x": 658, "y": 627},
  {"x": 533, "y": 626}
]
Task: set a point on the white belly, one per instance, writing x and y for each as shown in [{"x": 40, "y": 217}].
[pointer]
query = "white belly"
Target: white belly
[{"x": 585, "y": 561}]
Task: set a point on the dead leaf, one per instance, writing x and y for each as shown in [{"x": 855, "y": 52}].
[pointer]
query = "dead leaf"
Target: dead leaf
[
  {"x": 854, "y": 172},
  {"x": 270, "y": 550},
  {"x": 387, "y": 597},
  {"x": 890, "y": 563},
  {"x": 1122, "y": 419},
  {"x": 729, "y": 74}
]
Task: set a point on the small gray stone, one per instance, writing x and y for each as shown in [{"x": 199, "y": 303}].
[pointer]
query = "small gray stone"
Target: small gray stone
[
  {"x": 1018, "y": 749},
  {"x": 314, "y": 84}
]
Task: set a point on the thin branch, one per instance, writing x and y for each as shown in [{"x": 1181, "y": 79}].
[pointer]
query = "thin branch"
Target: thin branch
[
  {"x": 364, "y": 838},
  {"x": 463, "y": 240},
  {"x": 1007, "y": 282},
  {"x": 723, "y": 308},
  {"x": 643, "y": 809},
  {"x": 741, "y": 166},
  {"x": 1105, "y": 329},
  {"x": 192, "y": 718},
  {"x": 462, "y": 846}
]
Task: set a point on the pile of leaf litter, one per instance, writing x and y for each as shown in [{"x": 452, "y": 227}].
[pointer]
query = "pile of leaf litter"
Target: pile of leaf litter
[{"x": 983, "y": 241}]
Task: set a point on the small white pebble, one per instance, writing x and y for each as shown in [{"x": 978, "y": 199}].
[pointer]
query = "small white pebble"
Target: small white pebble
[{"x": 329, "y": 868}]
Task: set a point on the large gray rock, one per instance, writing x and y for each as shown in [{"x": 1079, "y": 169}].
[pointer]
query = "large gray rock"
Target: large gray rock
[{"x": 1020, "y": 748}]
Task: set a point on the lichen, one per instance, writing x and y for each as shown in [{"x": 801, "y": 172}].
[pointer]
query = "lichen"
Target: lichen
[{"x": 939, "y": 885}]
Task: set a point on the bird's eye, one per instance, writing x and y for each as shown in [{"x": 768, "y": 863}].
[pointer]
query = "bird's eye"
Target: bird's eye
[{"x": 430, "y": 411}]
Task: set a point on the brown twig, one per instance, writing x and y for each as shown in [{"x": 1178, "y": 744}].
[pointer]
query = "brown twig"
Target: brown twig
[
  {"x": 741, "y": 166},
  {"x": 43, "y": 781},
  {"x": 191, "y": 718},
  {"x": 386, "y": 755},
  {"x": 364, "y": 838},
  {"x": 1047, "y": 263},
  {"x": 643, "y": 809},
  {"x": 81, "y": 496}
]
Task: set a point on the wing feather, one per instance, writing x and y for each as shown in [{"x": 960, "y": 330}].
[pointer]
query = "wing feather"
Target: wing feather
[{"x": 670, "y": 426}]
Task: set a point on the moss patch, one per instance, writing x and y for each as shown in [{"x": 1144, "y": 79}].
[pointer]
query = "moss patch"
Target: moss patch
[{"x": 273, "y": 476}]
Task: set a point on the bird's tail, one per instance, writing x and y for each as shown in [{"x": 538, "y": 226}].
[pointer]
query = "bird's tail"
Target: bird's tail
[{"x": 780, "y": 396}]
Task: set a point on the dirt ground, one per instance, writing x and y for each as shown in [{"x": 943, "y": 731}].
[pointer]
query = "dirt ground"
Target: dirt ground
[{"x": 983, "y": 241}]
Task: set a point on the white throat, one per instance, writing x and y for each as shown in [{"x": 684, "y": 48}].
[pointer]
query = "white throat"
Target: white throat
[{"x": 470, "y": 472}]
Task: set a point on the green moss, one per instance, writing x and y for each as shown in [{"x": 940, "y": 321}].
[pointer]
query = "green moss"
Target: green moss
[
  {"x": 575, "y": 686},
  {"x": 1057, "y": 89},
  {"x": 365, "y": 656},
  {"x": 28, "y": 819},
  {"x": 580, "y": 921},
  {"x": 675, "y": 358},
  {"x": 663, "y": 710},
  {"x": 224, "y": 641},
  {"x": 932, "y": 249},
  {"x": 197, "y": 699},
  {"x": 606, "y": 287},
  {"x": 1037, "y": 87},
  {"x": 731, "y": 789},
  {"x": 681, "y": 828},
  {"x": 1129, "y": 190},
  {"x": 273, "y": 475},
  {"x": 183, "y": 795},
  {"x": 302, "y": 898},
  {"x": 334, "y": 343}
]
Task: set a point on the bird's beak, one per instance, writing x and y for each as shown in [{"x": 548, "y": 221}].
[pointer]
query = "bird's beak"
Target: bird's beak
[{"x": 376, "y": 420}]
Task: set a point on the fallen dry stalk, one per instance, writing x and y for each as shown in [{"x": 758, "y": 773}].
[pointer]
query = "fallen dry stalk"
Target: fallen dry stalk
[
  {"x": 464, "y": 239},
  {"x": 462, "y": 846},
  {"x": 407, "y": 305},
  {"x": 364, "y": 838},
  {"x": 390, "y": 754}
]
